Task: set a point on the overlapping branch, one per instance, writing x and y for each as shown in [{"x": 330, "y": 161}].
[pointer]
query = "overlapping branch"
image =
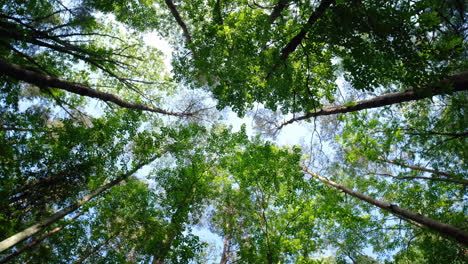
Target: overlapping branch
[
  {"x": 17, "y": 72},
  {"x": 454, "y": 83}
]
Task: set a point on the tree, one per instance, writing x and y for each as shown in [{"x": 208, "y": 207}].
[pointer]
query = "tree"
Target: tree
[{"x": 106, "y": 158}]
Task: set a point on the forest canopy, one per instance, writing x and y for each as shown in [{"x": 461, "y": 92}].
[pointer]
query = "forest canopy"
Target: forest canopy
[{"x": 110, "y": 155}]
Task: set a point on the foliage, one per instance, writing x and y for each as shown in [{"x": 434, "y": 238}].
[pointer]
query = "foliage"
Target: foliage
[{"x": 58, "y": 146}]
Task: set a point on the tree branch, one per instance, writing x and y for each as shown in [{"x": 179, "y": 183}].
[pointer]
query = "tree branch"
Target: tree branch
[
  {"x": 296, "y": 40},
  {"x": 179, "y": 20},
  {"x": 19, "y": 73},
  {"x": 419, "y": 168},
  {"x": 459, "y": 82}
]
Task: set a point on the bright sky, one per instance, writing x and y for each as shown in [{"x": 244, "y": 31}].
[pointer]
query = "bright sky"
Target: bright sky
[{"x": 289, "y": 135}]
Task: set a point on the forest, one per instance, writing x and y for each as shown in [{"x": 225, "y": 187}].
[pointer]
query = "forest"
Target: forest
[{"x": 234, "y": 131}]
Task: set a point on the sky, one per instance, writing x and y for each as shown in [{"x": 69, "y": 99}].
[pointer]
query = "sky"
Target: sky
[
  {"x": 290, "y": 135},
  {"x": 294, "y": 134}
]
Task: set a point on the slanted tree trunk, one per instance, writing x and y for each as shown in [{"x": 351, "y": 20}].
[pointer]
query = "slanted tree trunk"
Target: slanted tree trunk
[
  {"x": 179, "y": 21},
  {"x": 458, "y": 82},
  {"x": 445, "y": 229},
  {"x": 297, "y": 39},
  {"x": 17, "y": 72},
  {"x": 39, "y": 240},
  {"x": 36, "y": 228}
]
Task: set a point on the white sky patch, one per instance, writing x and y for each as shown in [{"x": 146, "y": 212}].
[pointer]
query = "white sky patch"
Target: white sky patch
[{"x": 154, "y": 40}]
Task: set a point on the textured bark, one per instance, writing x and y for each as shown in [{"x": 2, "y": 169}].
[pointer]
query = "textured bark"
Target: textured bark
[
  {"x": 179, "y": 20},
  {"x": 19, "y": 73},
  {"x": 39, "y": 240},
  {"x": 445, "y": 229},
  {"x": 458, "y": 82},
  {"x": 280, "y": 6},
  {"x": 297, "y": 39},
  {"x": 36, "y": 228}
]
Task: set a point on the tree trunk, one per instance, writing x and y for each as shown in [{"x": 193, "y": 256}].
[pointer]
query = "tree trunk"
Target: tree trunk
[
  {"x": 297, "y": 39},
  {"x": 445, "y": 229},
  {"x": 172, "y": 231},
  {"x": 226, "y": 251},
  {"x": 458, "y": 82},
  {"x": 36, "y": 228},
  {"x": 39, "y": 240},
  {"x": 17, "y": 72},
  {"x": 280, "y": 6},
  {"x": 179, "y": 20}
]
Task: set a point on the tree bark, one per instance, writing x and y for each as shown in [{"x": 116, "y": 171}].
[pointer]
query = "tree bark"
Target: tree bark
[
  {"x": 36, "y": 228},
  {"x": 226, "y": 251},
  {"x": 39, "y": 240},
  {"x": 458, "y": 82},
  {"x": 297, "y": 39},
  {"x": 179, "y": 20},
  {"x": 17, "y": 72},
  {"x": 280, "y": 6},
  {"x": 445, "y": 229}
]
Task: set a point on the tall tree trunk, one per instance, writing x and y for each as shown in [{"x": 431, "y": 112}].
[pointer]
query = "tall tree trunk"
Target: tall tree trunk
[
  {"x": 458, "y": 82},
  {"x": 39, "y": 240},
  {"x": 175, "y": 227},
  {"x": 17, "y": 72},
  {"x": 445, "y": 229},
  {"x": 36, "y": 228},
  {"x": 226, "y": 250}
]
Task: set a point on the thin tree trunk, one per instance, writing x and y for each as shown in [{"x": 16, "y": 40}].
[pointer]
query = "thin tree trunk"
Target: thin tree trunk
[
  {"x": 36, "y": 228},
  {"x": 17, "y": 72},
  {"x": 226, "y": 251},
  {"x": 297, "y": 39},
  {"x": 445, "y": 229},
  {"x": 39, "y": 240},
  {"x": 280, "y": 6},
  {"x": 458, "y": 82},
  {"x": 179, "y": 20},
  {"x": 419, "y": 168}
]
